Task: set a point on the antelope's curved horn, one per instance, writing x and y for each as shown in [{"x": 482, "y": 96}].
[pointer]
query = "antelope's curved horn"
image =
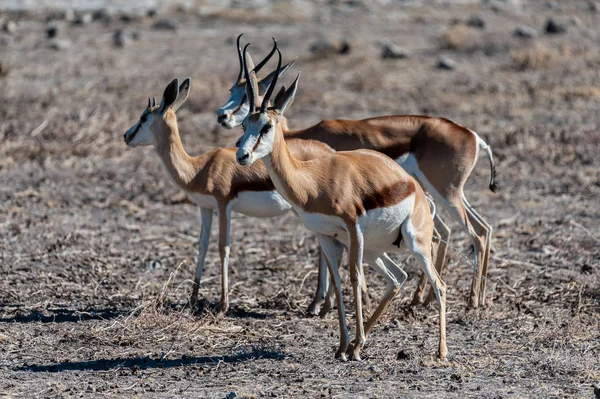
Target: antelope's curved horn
[
  {"x": 250, "y": 92},
  {"x": 267, "y": 58},
  {"x": 149, "y": 102},
  {"x": 265, "y": 102},
  {"x": 239, "y": 49},
  {"x": 153, "y": 101}
]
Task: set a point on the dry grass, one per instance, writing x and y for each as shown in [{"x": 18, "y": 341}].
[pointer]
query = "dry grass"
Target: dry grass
[
  {"x": 459, "y": 37},
  {"x": 532, "y": 58}
]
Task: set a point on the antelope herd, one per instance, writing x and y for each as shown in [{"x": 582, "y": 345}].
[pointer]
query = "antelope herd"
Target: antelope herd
[{"x": 359, "y": 185}]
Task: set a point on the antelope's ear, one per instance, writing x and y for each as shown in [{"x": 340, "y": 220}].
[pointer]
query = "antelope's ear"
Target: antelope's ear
[
  {"x": 169, "y": 96},
  {"x": 184, "y": 91},
  {"x": 266, "y": 81},
  {"x": 283, "y": 101},
  {"x": 279, "y": 94}
]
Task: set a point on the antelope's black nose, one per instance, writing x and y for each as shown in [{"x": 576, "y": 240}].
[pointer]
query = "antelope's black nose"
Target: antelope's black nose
[
  {"x": 221, "y": 118},
  {"x": 242, "y": 158}
]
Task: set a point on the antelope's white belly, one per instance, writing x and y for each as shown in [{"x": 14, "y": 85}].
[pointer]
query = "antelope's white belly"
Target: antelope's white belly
[
  {"x": 261, "y": 204},
  {"x": 380, "y": 226},
  {"x": 204, "y": 201}
]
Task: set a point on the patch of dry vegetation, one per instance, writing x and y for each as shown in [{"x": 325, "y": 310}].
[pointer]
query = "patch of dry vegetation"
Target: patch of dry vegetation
[{"x": 536, "y": 57}]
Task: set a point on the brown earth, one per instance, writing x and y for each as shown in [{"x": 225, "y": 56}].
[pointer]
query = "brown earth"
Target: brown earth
[{"x": 98, "y": 248}]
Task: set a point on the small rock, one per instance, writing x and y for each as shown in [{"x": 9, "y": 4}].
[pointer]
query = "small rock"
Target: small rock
[
  {"x": 10, "y": 27},
  {"x": 60, "y": 44},
  {"x": 476, "y": 21},
  {"x": 393, "y": 52},
  {"x": 554, "y": 27},
  {"x": 525, "y": 32},
  {"x": 326, "y": 48},
  {"x": 151, "y": 13},
  {"x": 446, "y": 63},
  {"x": 231, "y": 395},
  {"x": 594, "y": 6},
  {"x": 121, "y": 38},
  {"x": 129, "y": 17},
  {"x": 164, "y": 24},
  {"x": 83, "y": 19},
  {"x": 587, "y": 269},
  {"x": 103, "y": 16},
  {"x": 51, "y": 31},
  {"x": 403, "y": 355}
]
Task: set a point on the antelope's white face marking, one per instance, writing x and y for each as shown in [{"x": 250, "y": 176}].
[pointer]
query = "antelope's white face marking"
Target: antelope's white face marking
[
  {"x": 258, "y": 138},
  {"x": 235, "y": 110},
  {"x": 140, "y": 134}
]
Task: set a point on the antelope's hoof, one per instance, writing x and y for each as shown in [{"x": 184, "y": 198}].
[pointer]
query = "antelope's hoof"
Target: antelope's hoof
[
  {"x": 312, "y": 309},
  {"x": 353, "y": 352},
  {"x": 222, "y": 309},
  {"x": 341, "y": 355}
]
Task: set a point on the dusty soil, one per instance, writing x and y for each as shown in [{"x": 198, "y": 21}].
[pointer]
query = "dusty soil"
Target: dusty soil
[{"x": 98, "y": 248}]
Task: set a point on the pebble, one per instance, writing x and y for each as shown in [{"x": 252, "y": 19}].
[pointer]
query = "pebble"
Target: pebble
[
  {"x": 446, "y": 63},
  {"x": 122, "y": 38},
  {"x": 476, "y": 21},
  {"x": 393, "y": 52},
  {"x": 525, "y": 32},
  {"x": 554, "y": 27},
  {"x": 164, "y": 24},
  {"x": 52, "y": 31},
  {"x": 83, "y": 19},
  {"x": 326, "y": 47},
  {"x": 231, "y": 395},
  {"x": 10, "y": 27}
]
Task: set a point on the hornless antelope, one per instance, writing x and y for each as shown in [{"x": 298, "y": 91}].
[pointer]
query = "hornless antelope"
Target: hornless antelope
[
  {"x": 362, "y": 198},
  {"x": 439, "y": 153},
  {"x": 213, "y": 180}
]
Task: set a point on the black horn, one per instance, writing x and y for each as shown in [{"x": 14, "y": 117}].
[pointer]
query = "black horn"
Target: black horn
[
  {"x": 240, "y": 57},
  {"x": 267, "y": 58},
  {"x": 250, "y": 92},
  {"x": 149, "y": 102},
  {"x": 265, "y": 103}
]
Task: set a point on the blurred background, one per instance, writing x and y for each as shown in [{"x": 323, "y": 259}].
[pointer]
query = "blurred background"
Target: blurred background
[{"x": 97, "y": 246}]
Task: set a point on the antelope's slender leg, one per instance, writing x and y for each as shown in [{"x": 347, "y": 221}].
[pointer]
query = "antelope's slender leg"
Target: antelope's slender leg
[
  {"x": 420, "y": 247},
  {"x": 355, "y": 252},
  {"x": 224, "y": 213},
  {"x": 330, "y": 296},
  {"x": 206, "y": 216},
  {"x": 486, "y": 228},
  {"x": 394, "y": 276},
  {"x": 322, "y": 285},
  {"x": 328, "y": 248},
  {"x": 441, "y": 250}
]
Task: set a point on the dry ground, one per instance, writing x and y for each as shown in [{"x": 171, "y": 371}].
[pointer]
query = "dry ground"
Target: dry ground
[{"x": 97, "y": 247}]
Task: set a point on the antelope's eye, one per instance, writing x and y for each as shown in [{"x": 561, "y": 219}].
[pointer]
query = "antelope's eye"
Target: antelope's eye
[
  {"x": 144, "y": 118},
  {"x": 266, "y": 128}
]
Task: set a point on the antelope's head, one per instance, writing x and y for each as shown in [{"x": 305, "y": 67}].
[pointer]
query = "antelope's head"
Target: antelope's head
[
  {"x": 154, "y": 121},
  {"x": 260, "y": 126},
  {"x": 235, "y": 110}
]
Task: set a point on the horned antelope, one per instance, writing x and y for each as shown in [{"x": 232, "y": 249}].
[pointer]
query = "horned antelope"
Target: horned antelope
[
  {"x": 439, "y": 153},
  {"x": 361, "y": 198},
  {"x": 213, "y": 180}
]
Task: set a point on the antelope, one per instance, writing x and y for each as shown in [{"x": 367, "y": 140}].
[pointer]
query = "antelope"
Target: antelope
[
  {"x": 213, "y": 180},
  {"x": 361, "y": 198},
  {"x": 439, "y": 153}
]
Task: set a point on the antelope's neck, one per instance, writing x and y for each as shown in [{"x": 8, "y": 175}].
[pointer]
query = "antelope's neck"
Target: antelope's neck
[
  {"x": 288, "y": 174},
  {"x": 181, "y": 167}
]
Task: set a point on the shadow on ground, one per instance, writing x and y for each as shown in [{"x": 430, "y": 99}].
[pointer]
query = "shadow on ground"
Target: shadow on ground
[
  {"x": 63, "y": 315},
  {"x": 149, "y": 363}
]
